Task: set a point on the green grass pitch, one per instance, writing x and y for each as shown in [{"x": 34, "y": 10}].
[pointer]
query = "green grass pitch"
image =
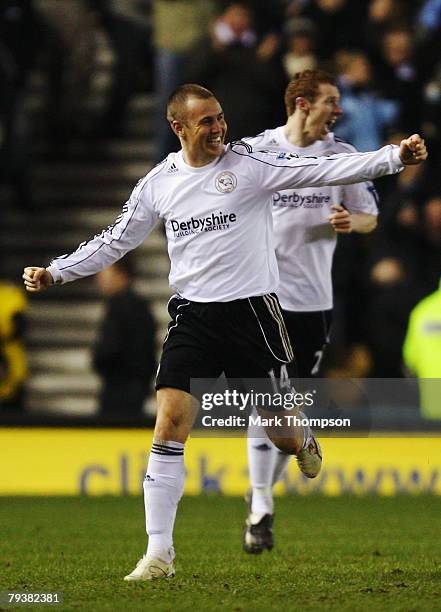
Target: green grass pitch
[{"x": 344, "y": 553}]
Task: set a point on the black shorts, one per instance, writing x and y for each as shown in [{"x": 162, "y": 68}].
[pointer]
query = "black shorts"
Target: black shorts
[
  {"x": 309, "y": 333},
  {"x": 243, "y": 339}
]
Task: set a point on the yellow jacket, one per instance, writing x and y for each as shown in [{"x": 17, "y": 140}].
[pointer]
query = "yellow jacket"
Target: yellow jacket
[
  {"x": 422, "y": 352},
  {"x": 12, "y": 352}
]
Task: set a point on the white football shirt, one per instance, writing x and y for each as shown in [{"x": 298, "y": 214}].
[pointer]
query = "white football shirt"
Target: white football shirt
[
  {"x": 304, "y": 239},
  {"x": 218, "y": 218}
]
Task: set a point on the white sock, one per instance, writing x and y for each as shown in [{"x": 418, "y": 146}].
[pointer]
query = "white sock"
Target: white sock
[
  {"x": 163, "y": 488},
  {"x": 266, "y": 466},
  {"x": 280, "y": 464},
  {"x": 261, "y": 459}
]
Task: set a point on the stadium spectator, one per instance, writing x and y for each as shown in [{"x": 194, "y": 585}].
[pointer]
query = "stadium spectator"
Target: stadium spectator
[
  {"x": 398, "y": 75},
  {"x": 349, "y": 304},
  {"x": 422, "y": 352},
  {"x": 412, "y": 228},
  {"x": 125, "y": 351},
  {"x": 348, "y": 361},
  {"x": 405, "y": 266},
  {"x": 128, "y": 25},
  {"x": 431, "y": 108},
  {"x": 70, "y": 49},
  {"x": 334, "y": 20},
  {"x": 300, "y": 43},
  {"x": 245, "y": 72},
  {"x": 367, "y": 116},
  {"x": 13, "y": 358},
  {"x": 306, "y": 225},
  {"x": 391, "y": 295},
  {"x": 294, "y": 8},
  {"x": 431, "y": 244},
  {"x": 225, "y": 316},
  {"x": 19, "y": 43},
  {"x": 426, "y": 30},
  {"x": 177, "y": 28},
  {"x": 428, "y": 22},
  {"x": 382, "y": 16}
]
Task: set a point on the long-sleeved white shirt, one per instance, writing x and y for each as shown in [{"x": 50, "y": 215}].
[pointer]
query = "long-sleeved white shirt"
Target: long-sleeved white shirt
[
  {"x": 304, "y": 239},
  {"x": 218, "y": 217}
]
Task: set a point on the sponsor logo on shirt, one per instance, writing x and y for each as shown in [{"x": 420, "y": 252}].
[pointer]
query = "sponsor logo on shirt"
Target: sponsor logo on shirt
[
  {"x": 279, "y": 154},
  {"x": 226, "y": 182},
  {"x": 296, "y": 200},
  {"x": 213, "y": 223},
  {"x": 284, "y": 155}
]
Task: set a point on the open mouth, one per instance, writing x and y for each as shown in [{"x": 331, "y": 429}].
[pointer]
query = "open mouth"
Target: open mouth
[
  {"x": 330, "y": 124},
  {"x": 215, "y": 141}
]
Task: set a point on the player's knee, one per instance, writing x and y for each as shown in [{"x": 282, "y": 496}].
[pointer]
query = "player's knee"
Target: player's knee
[{"x": 176, "y": 411}]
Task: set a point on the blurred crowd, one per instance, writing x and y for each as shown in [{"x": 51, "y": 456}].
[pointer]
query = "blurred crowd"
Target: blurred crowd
[{"x": 387, "y": 59}]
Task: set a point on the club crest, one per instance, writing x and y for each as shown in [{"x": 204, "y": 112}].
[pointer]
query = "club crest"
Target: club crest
[{"x": 226, "y": 182}]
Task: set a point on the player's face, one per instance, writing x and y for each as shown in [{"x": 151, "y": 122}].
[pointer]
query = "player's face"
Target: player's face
[
  {"x": 324, "y": 111},
  {"x": 203, "y": 130}
]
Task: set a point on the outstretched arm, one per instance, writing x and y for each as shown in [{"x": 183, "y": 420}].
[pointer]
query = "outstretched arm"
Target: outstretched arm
[
  {"x": 275, "y": 170},
  {"x": 130, "y": 228}
]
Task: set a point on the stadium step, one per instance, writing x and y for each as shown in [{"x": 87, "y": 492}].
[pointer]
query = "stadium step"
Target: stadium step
[
  {"x": 68, "y": 238},
  {"x": 78, "y": 189},
  {"x": 85, "y": 173},
  {"x": 59, "y": 359},
  {"x": 121, "y": 150},
  {"x": 61, "y": 403},
  {"x": 68, "y": 383}
]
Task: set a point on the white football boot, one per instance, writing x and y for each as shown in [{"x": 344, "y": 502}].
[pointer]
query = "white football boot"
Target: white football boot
[{"x": 151, "y": 568}]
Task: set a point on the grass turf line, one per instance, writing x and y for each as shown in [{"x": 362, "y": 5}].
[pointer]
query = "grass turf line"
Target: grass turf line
[{"x": 345, "y": 553}]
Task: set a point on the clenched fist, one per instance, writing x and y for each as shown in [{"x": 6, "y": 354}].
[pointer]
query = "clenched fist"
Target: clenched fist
[
  {"x": 37, "y": 279},
  {"x": 413, "y": 150},
  {"x": 340, "y": 219}
]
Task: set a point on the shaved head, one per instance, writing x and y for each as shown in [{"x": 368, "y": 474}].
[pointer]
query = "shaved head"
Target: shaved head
[{"x": 177, "y": 102}]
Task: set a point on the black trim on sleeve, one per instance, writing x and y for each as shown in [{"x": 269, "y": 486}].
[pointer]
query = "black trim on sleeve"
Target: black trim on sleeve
[{"x": 109, "y": 228}]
